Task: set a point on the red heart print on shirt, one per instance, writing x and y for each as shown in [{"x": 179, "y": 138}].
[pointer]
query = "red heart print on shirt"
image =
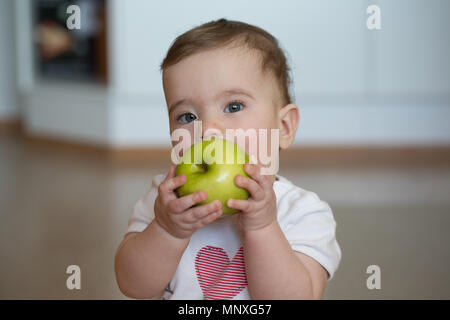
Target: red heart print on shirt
[{"x": 219, "y": 278}]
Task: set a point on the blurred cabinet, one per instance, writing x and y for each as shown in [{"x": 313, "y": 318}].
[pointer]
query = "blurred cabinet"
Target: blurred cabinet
[{"x": 77, "y": 54}]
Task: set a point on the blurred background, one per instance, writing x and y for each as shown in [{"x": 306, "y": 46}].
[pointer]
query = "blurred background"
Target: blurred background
[{"x": 83, "y": 129}]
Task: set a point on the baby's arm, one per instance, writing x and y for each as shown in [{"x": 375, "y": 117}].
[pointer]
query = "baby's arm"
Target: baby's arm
[
  {"x": 146, "y": 261},
  {"x": 274, "y": 270}
]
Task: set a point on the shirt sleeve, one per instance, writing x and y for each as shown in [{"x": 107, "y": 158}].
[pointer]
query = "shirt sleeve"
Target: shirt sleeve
[
  {"x": 143, "y": 211},
  {"x": 310, "y": 228}
]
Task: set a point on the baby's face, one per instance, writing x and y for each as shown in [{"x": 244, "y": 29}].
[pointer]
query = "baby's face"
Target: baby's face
[{"x": 225, "y": 89}]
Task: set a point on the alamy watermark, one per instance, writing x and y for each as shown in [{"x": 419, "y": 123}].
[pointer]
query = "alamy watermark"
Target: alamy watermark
[
  {"x": 258, "y": 147},
  {"x": 74, "y": 20},
  {"x": 373, "y": 21},
  {"x": 74, "y": 280},
  {"x": 374, "y": 280}
]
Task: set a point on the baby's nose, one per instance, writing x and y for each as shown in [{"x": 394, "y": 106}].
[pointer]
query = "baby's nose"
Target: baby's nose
[{"x": 211, "y": 128}]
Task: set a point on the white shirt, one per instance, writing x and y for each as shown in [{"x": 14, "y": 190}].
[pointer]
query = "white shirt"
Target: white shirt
[{"x": 212, "y": 266}]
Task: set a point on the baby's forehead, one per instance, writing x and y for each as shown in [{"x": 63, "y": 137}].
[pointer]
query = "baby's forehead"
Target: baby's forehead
[
  {"x": 228, "y": 67},
  {"x": 248, "y": 58}
]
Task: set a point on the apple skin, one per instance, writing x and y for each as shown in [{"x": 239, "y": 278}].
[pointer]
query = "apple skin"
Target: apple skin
[{"x": 216, "y": 178}]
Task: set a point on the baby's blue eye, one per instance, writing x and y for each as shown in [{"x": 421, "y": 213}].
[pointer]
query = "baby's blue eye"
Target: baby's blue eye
[
  {"x": 234, "y": 106},
  {"x": 186, "y": 117}
]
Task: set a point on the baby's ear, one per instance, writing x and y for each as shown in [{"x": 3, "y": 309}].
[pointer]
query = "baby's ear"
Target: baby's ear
[{"x": 289, "y": 117}]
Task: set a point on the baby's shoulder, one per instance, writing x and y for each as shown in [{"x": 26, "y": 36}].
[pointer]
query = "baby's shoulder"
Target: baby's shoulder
[
  {"x": 294, "y": 200},
  {"x": 288, "y": 191}
]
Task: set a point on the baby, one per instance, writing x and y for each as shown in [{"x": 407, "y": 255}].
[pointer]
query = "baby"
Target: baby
[{"x": 281, "y": 243}]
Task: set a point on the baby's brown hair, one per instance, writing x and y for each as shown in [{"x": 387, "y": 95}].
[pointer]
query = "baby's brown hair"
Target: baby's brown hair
[{"x": 222, "y": 33}]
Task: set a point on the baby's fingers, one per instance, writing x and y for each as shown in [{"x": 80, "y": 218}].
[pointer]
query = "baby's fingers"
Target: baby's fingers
[
  {"x": 171, "y": 182},
  {"x": 179, "y": 205},
  {"x": 209, "y": 218},
  {"x": 241, "y": 205},
  {"x": 254, "y": 171},
  {"x": 171, "y": 172},
  {"x": 194, "y": 215},
  {"x": 250, "y": 185}
]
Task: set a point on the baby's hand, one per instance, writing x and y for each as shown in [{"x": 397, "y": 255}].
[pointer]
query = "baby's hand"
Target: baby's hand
[
  {"x": 177, "y": 215},
  {"x": 260, "y": 209}
]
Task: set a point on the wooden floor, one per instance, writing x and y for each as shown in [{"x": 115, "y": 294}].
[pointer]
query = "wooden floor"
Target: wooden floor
[{"x": 62, "y": 206}]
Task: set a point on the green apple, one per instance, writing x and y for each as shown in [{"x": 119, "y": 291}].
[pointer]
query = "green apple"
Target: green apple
[{"x": 211, "y": 165}]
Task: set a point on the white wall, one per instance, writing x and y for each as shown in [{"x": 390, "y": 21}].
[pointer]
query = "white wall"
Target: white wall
[
  {"x": 412, "y": 53},
  {"x": 353, "y": 86},
  {"x": 8, "y": 95}
]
